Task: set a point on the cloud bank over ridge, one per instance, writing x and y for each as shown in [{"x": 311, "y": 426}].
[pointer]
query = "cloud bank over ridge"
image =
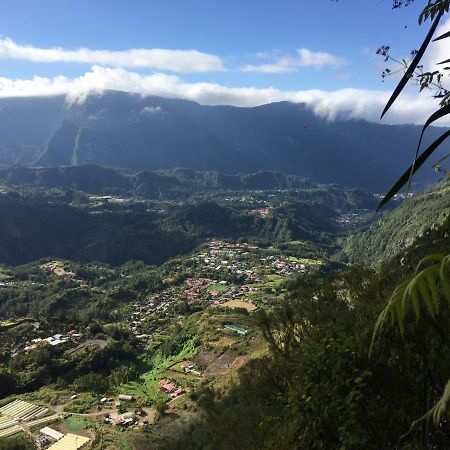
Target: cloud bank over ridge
[{"x": 344, "y": 103}]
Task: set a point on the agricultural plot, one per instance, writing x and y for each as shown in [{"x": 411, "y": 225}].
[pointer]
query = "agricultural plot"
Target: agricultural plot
[
  {"x": 19, "y": 411},
  {"x": 213, "y": 364},
  {"x": 11, "y": 431},
  {"x": 271, "y": 282},
  {"x": 23, "y": 411},
  {"x": 233, "y": 304}
]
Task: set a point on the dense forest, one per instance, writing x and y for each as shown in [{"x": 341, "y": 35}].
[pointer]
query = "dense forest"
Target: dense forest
[{"x": 398, "y": 230}]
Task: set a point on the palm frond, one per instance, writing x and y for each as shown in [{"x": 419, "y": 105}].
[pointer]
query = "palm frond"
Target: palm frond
[
  {"x": 423, "y": 292},
  {"x": 436, "y": 413},
  {"x": 442, "y": 405}
]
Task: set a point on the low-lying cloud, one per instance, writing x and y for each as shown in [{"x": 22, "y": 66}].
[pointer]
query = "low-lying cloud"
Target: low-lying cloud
[
  {"x": 156, "y": 58},
  {"x": 151, "y": 110},
  {"x": 344, "y": 103}
]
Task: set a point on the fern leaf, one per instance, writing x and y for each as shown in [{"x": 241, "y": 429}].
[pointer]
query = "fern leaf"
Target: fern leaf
[
  {"x": 432, "y": 286},
  {"x": 419, "y": 285},
  {"x": 439, "y": 410},
  {"x": 416, "y": 306},
  {"x": 442, "y": 405},
  {"x": 435, "y": 257},
  {"x": 420, "y": 290},
  {"x": 444, "y": 275}
]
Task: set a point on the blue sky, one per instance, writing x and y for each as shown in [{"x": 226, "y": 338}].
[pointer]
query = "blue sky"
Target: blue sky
[{"x": 260, "y": 50}]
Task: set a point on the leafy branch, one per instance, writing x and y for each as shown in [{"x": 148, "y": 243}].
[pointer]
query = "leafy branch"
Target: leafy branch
[{"x": 434, "y": 11}]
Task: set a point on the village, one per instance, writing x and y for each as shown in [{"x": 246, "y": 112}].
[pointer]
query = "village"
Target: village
[
  {"x": 237, "y": 276},
  {"x": 229, "y": 274}
]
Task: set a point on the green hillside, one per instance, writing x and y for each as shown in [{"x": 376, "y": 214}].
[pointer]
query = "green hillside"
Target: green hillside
[{"x": 398, "y": 229}]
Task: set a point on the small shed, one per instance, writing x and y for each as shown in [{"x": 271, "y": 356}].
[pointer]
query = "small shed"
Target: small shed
[{"x": 125, "y": 398}]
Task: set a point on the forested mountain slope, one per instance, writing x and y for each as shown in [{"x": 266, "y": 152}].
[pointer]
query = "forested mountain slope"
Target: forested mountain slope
[
  {"x": 122, "y": 130},
  {"x": 398, "y": 229}
]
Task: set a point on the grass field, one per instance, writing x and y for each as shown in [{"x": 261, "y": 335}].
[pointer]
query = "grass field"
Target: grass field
[
  {"x": 177, "y": 367},
  {"x": 306, "y": 261},
  {"x": 271, "y": 282},
  {"x": 239, "y": 304},
  {"x": 76, "y": 422},
  {"x": 218, "y": 287}
]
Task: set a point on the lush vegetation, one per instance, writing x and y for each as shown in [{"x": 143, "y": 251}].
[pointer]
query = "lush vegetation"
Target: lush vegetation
[
  {"x": 319, "y": 388},
  {"x": 398, "y": 229},
  {"x": 306, "y": 350},
  {"x": 61, "y": 223}
]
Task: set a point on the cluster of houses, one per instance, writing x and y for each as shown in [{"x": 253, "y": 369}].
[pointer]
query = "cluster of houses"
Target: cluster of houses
[
  {"x": 229, "y": 260},
  {"x": 213, "y": 292},
  {"x": 154, "y": 305},
  {"x": 246, "y": 261},
  {"x": 189, "y": 367},
  {"x": 170, "y": 388},
  {"x": 119, "y": 415},
  {"x": 54, "y": 340},
  {"x": 103, "y": 199},
  {"x": 196, "y": 288},
  {"x": 286, "y": 267},
  {"x": 261, "y": 212},
  {"x": 350, "y": 219}
]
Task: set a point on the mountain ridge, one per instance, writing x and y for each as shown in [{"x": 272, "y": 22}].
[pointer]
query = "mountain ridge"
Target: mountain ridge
[
  {"x": 177, "y": 183},
  {"x": 122, "y": 130}
]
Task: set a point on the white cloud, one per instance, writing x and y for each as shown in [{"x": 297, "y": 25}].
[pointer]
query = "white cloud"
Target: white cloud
[
  {"x": 289, "y": 63},
  {"x": 160, "y": 59},
  {"x": 150, "y": 110},
  {"x": 344, "y": 103},
  {"x": 438, "y": 51},
  {"x": 318, "y": 59}
]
